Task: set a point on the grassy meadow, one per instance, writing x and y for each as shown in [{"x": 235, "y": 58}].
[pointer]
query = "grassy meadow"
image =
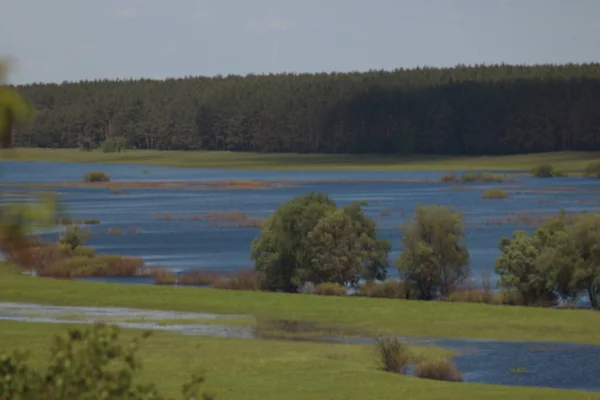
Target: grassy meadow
[
  {"x": 238, "y": 369},
  {"x": 369, "y": 315},
  {"x": 568, "y": 161}
]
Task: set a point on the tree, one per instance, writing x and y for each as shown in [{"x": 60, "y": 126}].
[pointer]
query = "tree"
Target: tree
[
  {"x": 586, "y": 240},
  {"x": 84, "y": 364},
  {"x": 310, "y": 239},
  {"x": 434, "y": 258},
  {"x": 344, "y": 248}
]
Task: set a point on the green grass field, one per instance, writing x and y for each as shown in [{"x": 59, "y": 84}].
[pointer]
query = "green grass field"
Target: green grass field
[
  {"x": 409, "y": 318},
  {"x": 254, "y": 161},
  {"x": 283, "y": 370}
]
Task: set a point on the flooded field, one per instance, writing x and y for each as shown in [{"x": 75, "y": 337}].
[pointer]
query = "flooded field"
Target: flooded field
[
  {"x": 564, "y": 366},
  {"x": 170, "y": 227}
]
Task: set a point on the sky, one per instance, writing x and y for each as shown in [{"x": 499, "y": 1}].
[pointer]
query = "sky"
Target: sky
[{"x": 71, "y": 40}]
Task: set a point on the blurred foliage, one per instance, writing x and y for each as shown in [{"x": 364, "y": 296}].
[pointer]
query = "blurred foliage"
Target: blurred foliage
[
  {"x": 85, "y": 364},
  {"x": 18, "y": 220}
]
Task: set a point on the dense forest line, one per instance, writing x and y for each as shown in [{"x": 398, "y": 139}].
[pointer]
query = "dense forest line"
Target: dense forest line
[{"x": 498, "y": 109}]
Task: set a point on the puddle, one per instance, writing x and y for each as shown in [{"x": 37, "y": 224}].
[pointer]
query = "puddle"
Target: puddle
[
  {"x": 127, "y": 318},
  {"x": 537, "y": 364}
]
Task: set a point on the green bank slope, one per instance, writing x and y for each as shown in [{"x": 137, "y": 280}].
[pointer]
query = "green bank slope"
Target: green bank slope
[{"x": 327, "y": 162}]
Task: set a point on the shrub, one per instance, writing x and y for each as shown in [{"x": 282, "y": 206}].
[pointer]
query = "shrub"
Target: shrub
[
  {"x": 116, "y": 144},
  {"x": 122, "y": 265},
  {"x": 441, "y": 369},
  {"x": 330, "y": 289},
  {"x": 247, "y": 279},
  {"x": 494, "y": 194},
  {"x": 163, "y": 276},
  {"x": 96, "y": 176},
  {"x": 75, "y": 266},
  {"x": 469, "y": 177},
  {"x": 486, "y": 177},
  {"x": 198, "y": 277},
  {"x": 449, "y": 178},
  {"x": 84, "y": 364},
  {"x": 393, "y": 354},
  {"x": 74, "y": 237},
  {"x": 546, "y": 171},
  {"x": 90, "y": 222},
  {"x": 388, "y": 289},
  {"x": 592, "y": 170}
]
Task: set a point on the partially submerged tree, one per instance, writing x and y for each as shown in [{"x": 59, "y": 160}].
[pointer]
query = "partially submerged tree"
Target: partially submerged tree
[
  {"x": 310, "y": 239},
  {"x": 434, "y": 259}
]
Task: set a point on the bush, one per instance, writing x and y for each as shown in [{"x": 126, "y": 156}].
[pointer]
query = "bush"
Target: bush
[
  {"x": 393, "y": 354},
  {"x": 197, "y": 277},
  {"x": 449, "y": 178},
  {"x": 494, "y": 194},
  {"x": 121, "y": 265},
  {"x": 163, "y": 276},
  {"x": 74, "y": 237},
  {"x": 441, "y": 369},
  {"x": 78, "y": 266},
  {"x": 116, "y": 144},
  {"x": 247, "y": 279},
  {"x": 84, "y": 364},
  {"x": 96, "y": 176},
  {"x": 387, "y": 289},
  {"x": 469, "y": 177},
  {"x": 330, "y": 289},
  {"x": 90, "y": 222},
  {"x": 546, "y": 171},
  {"x": 592, "y": 170}
]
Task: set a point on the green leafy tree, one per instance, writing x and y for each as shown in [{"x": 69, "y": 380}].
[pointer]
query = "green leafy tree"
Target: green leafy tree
[
  {"x": 86, "y": 364},
  {"x": 586, "y": 241},
  {"x": 525, "y": 267},
  {"x": 309, "y": 239},
  {"x": 116, "y": 144},
  {"x": 434, "y": 258},
  {"x": 344, "y": 248}
]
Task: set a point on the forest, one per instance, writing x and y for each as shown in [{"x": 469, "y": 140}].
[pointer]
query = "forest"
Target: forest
[{"x": 466, "y": 110}]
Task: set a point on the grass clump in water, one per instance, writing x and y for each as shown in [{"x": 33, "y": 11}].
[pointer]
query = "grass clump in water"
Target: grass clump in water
[
  {"x": 494, "y": 194},
  {"x": 96, "y": 176},
  {"x": 330, "y": 289},
  {"x": 394, "y": 356},
  {"x": 441, "y": 369},
  {"x": 547, "y": 171},
  {"x": 449, "y": 178}
]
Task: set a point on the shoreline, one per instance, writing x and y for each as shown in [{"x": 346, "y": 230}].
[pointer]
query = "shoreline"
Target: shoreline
[{"x": 226, "y": 160}]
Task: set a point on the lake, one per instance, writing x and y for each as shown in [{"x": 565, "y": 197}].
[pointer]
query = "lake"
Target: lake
[{"x": 185, "y": 244}]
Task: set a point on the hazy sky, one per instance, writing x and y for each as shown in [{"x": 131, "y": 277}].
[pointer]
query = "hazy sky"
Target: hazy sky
[{"x": 57, "y": 40}]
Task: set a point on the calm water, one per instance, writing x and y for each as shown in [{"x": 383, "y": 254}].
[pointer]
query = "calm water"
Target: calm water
[{"x": 184, "y": 245}]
